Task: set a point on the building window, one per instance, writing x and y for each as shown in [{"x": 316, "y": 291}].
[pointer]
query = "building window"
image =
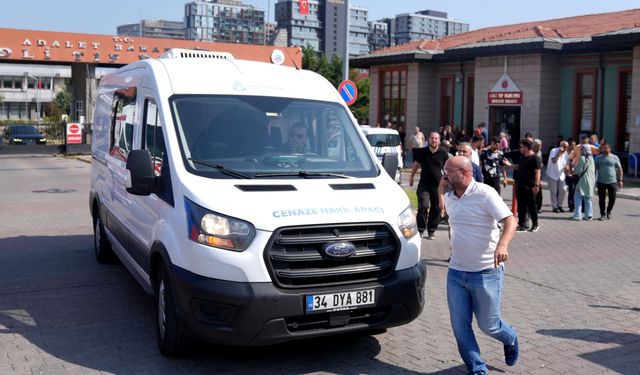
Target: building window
[
  {"x": 12, "y": 83},
  {"x": 624, "y": 111},
  {"x": 446, "y": 101},
  {"x": 393, "y": 86},
  {"x": 585, "y": 102}
]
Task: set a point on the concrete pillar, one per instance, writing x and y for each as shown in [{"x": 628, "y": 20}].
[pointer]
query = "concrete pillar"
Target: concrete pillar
[
  {"x": 83, "y": 91},
  {"x": 374, "y": 95},
  {"x": 422, "y": 84},
  {"x": 634, "y": 131}
]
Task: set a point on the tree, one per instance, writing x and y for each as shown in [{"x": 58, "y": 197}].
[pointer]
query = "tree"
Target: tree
[
  {"x": 332, "y": 71},
  {"x": 360, "y": 108},
  {"x": 60, "y": 105}
]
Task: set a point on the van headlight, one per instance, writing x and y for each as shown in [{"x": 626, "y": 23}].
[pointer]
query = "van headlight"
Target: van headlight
[
  {"x": 216, "y": 230},
  {"x": 407, "y": 223}
]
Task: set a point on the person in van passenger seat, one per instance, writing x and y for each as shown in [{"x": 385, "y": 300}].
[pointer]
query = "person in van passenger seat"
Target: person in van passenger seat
[{"x": 297, "y": 138}]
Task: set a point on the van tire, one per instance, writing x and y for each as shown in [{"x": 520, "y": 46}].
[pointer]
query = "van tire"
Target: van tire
[
  {"x": 101, "y": 245},
  {"x": 172, "y": 340}
]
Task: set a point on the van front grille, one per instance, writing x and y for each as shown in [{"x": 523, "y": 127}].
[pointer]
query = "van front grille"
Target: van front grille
[{"x": 295, "y": 257}]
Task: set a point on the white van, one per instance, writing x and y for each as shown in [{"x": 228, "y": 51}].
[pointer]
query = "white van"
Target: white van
[
  {"x": 243, "y": 196},
  {"x": 385, "y": 141}
]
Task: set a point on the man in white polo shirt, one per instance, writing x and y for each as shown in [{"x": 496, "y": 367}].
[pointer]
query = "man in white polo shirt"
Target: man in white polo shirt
[
  {"x": 558, "y": 159},
  {"x": 476, "y": 268}
]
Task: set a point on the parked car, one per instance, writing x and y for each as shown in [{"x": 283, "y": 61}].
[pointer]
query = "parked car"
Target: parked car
[
  {"x": 385, "y": 141},
  {"x": 24, "y": 135}
]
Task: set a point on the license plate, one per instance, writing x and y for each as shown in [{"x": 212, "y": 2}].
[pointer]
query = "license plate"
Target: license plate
[{"x": 340, "y": 301}]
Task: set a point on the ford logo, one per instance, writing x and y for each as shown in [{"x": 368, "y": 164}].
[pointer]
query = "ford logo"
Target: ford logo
[{"x": 339, "y": 249}]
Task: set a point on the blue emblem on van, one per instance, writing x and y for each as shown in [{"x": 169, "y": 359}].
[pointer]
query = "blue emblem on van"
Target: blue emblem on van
[{"x": 339, "y": 249}]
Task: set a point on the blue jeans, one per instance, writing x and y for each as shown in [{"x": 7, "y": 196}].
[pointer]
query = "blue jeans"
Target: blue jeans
[
  {"x": 476, "y": 293},
  {"x": 588, "y": 205}
]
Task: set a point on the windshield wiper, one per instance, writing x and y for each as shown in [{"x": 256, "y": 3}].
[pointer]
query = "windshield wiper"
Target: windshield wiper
[
  {"x": 303, "y": 174},
  {"x": 221, "y": 168}
]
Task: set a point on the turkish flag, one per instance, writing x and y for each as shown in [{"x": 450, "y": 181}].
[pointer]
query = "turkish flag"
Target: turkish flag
[{"x": 304, "y": 7}]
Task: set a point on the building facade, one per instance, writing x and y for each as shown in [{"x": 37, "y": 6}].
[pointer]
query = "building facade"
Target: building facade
[
  {"x": 564, "y": 77},
  {"x": 227, "y": 21},
  {"x": 378, "y": 35},
  {"x": 358, "y": 31},
  {"x": 307, "y": 28},
  {"x": 35, "y": 65},
  {"x": 426, "y": 24},
  {"x": 323, "y": 26},
  {"x": 25, "y": 89},
  {"x": 153, "y": 29}
]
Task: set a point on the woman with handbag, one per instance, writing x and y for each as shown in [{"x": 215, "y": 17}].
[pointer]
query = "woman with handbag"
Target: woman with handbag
[{"x": 586, "y": 172}]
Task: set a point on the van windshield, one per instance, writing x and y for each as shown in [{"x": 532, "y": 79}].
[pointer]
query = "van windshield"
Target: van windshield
[
  {"x": 384, "y": 140},
  {"x": 267, "y": 137}
]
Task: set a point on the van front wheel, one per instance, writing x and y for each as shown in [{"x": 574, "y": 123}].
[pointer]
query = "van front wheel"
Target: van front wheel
[
  {"x": 171, "y": 339},
  {"x": 101, "y": 245}
]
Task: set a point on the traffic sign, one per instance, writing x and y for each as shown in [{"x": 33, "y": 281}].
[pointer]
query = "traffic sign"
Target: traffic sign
[
  {"x": 348, "y": 91},
  {"x": 74, "y": 133}
]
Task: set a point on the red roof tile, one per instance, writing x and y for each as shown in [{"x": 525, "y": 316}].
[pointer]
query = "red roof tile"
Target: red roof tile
[{"x": 563, "y": 28}]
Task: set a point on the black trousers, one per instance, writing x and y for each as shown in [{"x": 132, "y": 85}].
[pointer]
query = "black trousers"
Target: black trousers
[
  {"x": 414, "y": 153},
  {"x": 539, "y": 200},
  {"x": 571, "y": 182},
  {"x": 494, "y": 182},
  {"x": 428, "y": 208},
  {"x": 526, "y": 204},
  {"x": 603, "y": 191}
]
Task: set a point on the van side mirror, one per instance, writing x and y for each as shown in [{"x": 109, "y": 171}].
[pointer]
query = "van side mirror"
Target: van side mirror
[
  {"x": 390, "y": 164},
  {"x": 140, "y": 168}
]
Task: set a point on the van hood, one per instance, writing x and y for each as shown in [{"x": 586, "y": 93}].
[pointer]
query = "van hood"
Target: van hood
[{"x": 271, "y": 204}]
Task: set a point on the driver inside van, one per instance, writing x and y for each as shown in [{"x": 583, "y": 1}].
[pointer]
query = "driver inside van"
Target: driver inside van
[{"x": 297, "y": 139}]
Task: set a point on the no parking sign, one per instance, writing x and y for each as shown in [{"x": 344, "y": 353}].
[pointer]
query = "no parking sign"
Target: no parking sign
[
  {"x": 74, "y": 133},
  {"x": 348, "y": 91}
]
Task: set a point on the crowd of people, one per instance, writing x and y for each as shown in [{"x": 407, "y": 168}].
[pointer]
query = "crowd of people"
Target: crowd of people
[
  {"x": 573, "y": 171},
  {"x": 465, "y": 190}
]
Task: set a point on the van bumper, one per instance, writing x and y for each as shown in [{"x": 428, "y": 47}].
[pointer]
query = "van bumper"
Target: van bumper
[{"x": 254, "y": 314}]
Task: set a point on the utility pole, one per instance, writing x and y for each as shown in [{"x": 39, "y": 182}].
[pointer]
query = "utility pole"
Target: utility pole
[{"x": 345, "y": 60}]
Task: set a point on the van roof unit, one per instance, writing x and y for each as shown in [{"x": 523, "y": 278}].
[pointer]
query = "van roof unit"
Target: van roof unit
[{"x": 181, "y": 53}]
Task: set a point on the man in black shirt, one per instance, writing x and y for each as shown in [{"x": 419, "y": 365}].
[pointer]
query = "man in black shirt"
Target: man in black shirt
[
  {"x": 527, "y": 186},
  {"x": 431, "y": 160}
]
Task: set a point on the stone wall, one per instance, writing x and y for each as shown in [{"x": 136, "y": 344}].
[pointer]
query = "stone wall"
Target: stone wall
[{"x": 538, "y": 76}]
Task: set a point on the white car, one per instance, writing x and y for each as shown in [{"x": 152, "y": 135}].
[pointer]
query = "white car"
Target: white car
[{"x": 385, "y": 141}]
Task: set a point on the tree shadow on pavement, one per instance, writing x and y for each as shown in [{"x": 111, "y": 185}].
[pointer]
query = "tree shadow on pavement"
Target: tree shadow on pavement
[
  {"x": 60, "y": 310},
  {"x": 623, "y": 359}
]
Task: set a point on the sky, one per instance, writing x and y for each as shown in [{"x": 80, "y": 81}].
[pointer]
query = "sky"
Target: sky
[{"x": 102, "y": 17}]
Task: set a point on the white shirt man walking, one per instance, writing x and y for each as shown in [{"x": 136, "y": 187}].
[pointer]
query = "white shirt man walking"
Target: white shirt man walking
[
  {"x": 417, "y": 142},
  {"x": 558, "y": 159},
  {"x": 476, "y": 270}
]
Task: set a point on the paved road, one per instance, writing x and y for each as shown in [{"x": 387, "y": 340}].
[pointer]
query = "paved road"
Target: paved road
[{"x": 572, "y": 291}]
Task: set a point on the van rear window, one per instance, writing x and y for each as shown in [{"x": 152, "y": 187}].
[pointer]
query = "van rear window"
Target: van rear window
[{"x": 384, "y": 140}]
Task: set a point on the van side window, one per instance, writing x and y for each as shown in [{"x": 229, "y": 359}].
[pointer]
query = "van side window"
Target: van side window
[
  {"x": 153, "y": 139},
  {"x": 124, "y": 112}
]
